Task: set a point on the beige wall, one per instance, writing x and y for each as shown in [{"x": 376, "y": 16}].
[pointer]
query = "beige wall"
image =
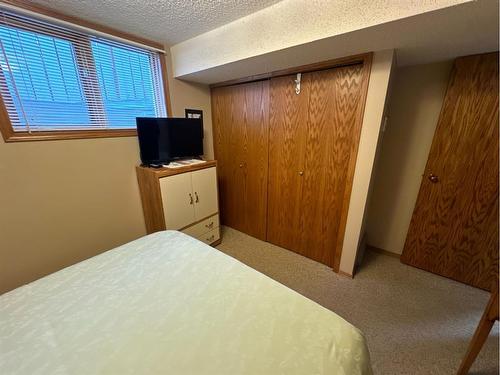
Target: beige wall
[
  {"x": 65, "y": 201},
  {"x": 194, "y": 96},
  {"x": 378, "y": 88},
  {"x": 413, "y": 112}
]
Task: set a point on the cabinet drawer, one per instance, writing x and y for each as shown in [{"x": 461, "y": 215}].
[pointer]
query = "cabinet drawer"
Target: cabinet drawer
[
  {"x": 202, "y": 227},
  {"x": 210, "y": 237}
]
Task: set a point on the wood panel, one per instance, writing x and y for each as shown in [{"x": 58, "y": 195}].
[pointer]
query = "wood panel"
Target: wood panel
[
  {"x": 454, "y": 228},
  {"x": 152, "y": 207},
  {"x": 310, "y": 166},
  {"x": 332, "y": 133},
  {"x": 240, "y": 120},
  {"x": 483, "y": 329},
  {"x": 226, "y": 138},
  {"x": 288, "y": 116},
  {"x": 255, "y": 162},
  {"x": 314, "y": 139}
]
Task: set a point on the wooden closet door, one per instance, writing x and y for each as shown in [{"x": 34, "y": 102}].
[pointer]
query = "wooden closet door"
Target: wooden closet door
[
  {"x": 336, "y": 103},
  {"x": 240, "y": 120},
  {"x": 313, "y": 145},
  {"x": 288, "y": 116},
  {"x": 454, "y": 228},
  {"x": 226, "y": 133}
]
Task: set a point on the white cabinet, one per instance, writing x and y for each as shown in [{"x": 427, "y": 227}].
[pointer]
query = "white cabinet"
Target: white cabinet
[
  {"x": 204, "y": 185},
  {"x": 189, "y": 197},
  {"x": 178, "y": 201},
  {"x": 182, "y": 199}
]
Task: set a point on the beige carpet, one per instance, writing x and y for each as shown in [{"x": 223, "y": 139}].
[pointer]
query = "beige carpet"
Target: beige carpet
[{"x": 415, "y": 322}]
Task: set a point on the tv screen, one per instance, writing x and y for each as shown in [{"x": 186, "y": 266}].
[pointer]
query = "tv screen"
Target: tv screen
[{"x": 162, "y": 140}]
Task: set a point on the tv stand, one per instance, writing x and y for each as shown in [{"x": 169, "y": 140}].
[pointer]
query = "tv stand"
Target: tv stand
[
  {"x": 181, "y": 198},
  {"x": 155, "y": 166},
  {"x": 184, "y": 163}
]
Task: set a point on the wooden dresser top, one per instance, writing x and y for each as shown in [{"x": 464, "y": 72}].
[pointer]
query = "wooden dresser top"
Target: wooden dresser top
[{"x": 163, "y": 172}]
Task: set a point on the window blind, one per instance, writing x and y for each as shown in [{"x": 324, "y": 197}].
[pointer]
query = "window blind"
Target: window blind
[{"x": 56, "y": 78}]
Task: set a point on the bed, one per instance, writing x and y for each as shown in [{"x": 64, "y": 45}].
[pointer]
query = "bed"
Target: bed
[{"x": 169, "y": 304}]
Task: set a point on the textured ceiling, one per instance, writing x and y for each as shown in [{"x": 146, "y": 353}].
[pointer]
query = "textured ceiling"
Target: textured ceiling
[
  {"x": 419, "y": 33},
  {"x": 167, "y": 21}
]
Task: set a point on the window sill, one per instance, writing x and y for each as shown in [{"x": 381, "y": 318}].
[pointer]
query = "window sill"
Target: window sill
[{"x": 11, "y": 136}]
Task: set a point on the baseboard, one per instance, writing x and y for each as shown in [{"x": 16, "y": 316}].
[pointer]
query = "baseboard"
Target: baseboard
[
  {"x": 216, "y": 243},
  {"x": 382, "y": 251},
  {"x": 345, "y": 274}
]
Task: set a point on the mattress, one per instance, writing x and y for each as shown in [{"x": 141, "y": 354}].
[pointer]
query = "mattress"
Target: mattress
[{"x": 169, "y": 304}]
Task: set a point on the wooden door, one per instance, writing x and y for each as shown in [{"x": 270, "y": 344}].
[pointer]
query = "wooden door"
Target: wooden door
[
  {"x": 178, "y": 200},
  {"x": 313, "y": 143},
  {"x": 454, "y": 228},
  {"x": 240, "y": 121},
  {"x": 227, "y": 135},
  {"x": 204, "y": 183},
  {"x": 288, "y": 116}
]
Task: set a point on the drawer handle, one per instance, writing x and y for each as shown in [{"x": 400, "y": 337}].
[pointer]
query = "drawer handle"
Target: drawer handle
[
  {"x": 190, "y": 199},
  {"x": 211, "y": 238},
  {"x": 210, "y": 226},
  {"x": 197, "y": 198}
]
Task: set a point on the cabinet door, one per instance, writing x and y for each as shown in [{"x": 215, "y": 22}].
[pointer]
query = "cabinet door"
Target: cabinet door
[
  {"x": 178, "y": 200},
  {"x": 205, "y": 192}
]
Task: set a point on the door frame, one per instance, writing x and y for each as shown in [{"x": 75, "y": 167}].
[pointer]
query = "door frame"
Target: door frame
[{"x": 364, "y": 59}]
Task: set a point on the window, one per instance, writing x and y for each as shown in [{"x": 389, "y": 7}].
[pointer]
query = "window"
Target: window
[{"x": 55, "y": 79}]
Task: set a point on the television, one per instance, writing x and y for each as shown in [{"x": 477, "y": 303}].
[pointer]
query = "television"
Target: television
[{"x": 162, "y": 140}]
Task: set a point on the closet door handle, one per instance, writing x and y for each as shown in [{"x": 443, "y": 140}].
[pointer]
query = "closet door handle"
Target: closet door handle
[
  {"x": 197, "y": 198},
  {"x": 433, "y": 178},
  {"x": 301, "y": 173},
  {"x": 190, "y": 198}
]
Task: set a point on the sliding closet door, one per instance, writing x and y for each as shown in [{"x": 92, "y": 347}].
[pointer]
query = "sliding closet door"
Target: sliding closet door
[
  {"x": 226, "y": 139},
  {"x": 240, "y": 121},
  {"x": 335, "y": 115},
  {"x": 288, "y": 116},
  {"x": 454, "y": 228},
  {"x": 313, "y": 145}
]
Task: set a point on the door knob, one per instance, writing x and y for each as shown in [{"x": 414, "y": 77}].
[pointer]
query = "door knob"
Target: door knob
[
  {"x": 301, "y": 173},
  {"x": 241, "y": 165},
  {"x": 433, "y": 178}
]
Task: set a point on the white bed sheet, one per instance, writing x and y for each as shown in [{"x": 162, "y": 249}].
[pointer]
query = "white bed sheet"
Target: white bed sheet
[{"x": 169, "y": 304}]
